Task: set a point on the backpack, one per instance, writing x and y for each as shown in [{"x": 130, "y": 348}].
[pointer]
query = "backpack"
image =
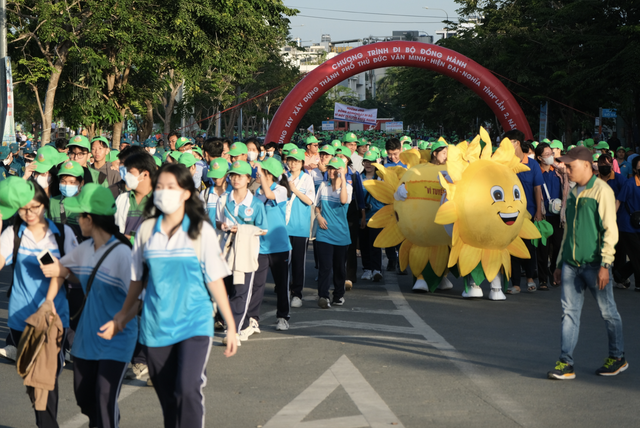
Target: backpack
[{"x": 17, "y": 238}]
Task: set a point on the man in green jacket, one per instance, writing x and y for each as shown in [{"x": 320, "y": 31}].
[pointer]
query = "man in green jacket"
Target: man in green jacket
[{"x": 584, "y": 263}]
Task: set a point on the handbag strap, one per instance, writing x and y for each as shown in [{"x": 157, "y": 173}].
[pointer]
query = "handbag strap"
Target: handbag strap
[{"x": 92, "y": 277}]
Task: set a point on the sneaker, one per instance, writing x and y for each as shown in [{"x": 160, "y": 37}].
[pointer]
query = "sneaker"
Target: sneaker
[
  {"x": 253, "y": 323},
  {"x": 377, "y": 276},
  {"x": 137, "y": 371},
  {"x": 613, "y": 366},
  {"x": 282, "y": 324},
  {"x": 246, "y": 333},
  {"x": 563, "y": 371},
  {"x": 348, "y": 285},
  {"x": 149, "y": 383},
  {"x": 296, "y": 302},
  {"x": 9, "y": 352},
  {"x": 623, "y": 285},
  {"x": 338, "y": 302},
  {"x": 367, "y": 275},
  {"x": 324, "y": 303}
]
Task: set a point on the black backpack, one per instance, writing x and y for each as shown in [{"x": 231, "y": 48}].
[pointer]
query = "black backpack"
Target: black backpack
[{"x": 16, "y": 247}]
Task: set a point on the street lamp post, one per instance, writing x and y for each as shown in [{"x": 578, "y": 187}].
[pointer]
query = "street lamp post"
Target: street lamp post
[{"x": 446, "y": 13}]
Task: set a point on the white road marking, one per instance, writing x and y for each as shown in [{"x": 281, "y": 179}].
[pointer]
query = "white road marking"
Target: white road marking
[
  {"x": 79, "y": 420},
  {"x": 355, "y": 325},
  {"x": 374, "y": 411}
]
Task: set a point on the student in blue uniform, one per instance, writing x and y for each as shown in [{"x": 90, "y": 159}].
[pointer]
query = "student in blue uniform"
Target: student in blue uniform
[
  {"x": 275, "y": 248},
  {"x": 183, "y": 274},
  {"x": 235, "y": 208},
  {"x": 371, "y": 256},
  {"x": 98, "y": 365},
  {"x": 393, "y": 148},
  {"x": 332, "y": 236},
  {"x": 218, "y": 169},
  {"x": 298, "y": 217},
  {"x": 31, "y": 233},
  {"x": 628, "y": 206}
]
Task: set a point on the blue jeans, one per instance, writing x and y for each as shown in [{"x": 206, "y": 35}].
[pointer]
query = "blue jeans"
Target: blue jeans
[{"x": 575, "y": 280}]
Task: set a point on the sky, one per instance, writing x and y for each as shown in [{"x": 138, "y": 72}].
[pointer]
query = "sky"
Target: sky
[{"x": 335, "y": 17}]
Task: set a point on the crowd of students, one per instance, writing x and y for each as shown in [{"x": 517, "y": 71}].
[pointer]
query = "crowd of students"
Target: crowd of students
[{"x": 149, "y": 243}]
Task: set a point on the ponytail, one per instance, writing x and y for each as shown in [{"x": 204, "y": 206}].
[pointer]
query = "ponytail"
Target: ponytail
[
  {"x": 284, "y": 182},
  {"x": 108, "y": 224}
]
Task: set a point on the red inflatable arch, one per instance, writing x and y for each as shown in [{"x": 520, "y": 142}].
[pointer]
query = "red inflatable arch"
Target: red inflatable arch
[{"x": 394, "y": 54}]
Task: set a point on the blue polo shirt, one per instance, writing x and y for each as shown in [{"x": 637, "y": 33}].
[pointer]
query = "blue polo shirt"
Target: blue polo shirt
[
  {"x": 554, "y": 186},
  {"x": 105, "y": 299},
  {"x": 388, "y": 163},
  {"x": 30, "y": 286},
  {"x": 210, "y": 199},
  {"x": 177, "y": 304},
  {"x": 299, "y": 213},
  {"x": 625, "y": 168},
  {"x": 629, "y": 198},
  {"x": 335, "y": 213},
  {"x": 249, "y": 211},
  {"x": 276, "y": 240},
  {"x": 530, "y": 179},
  {"x": 615, "y": 181}
]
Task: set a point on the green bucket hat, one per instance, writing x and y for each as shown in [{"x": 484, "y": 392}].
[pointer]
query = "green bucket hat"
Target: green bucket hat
[
  {"x": 288, "y": 147},
  {"x": 238, "y": 149},
  {"x": 405, "y": 138},
  {"x": 406, "y": 146},
  {"x": 240, "y": 167},
  {"x": 596, "y": 156},
  {"x": 182, "y": 141},
  {"x": 296, "y": 153},
  {"x": 349, "y": 137},
  {"x": 218, "y": 168},
  {"x": 328, "y": 149},
  {"x": 535, "y": 144},
  {"x": 199, "y": 151},
  {"x": 311, "y": 140},
  {"x": 46, "y": 157},
  {"x": 383, "y": 153},
  {"x": 602, "y": 145},
  {"x": 336, "y": 163},
  {"x": 157, "y": 160},
  {"x": 546, "y": 230},
  {"x": 557, "y": 144},
  {"x": 175, "y": 155},
  {"x": 570, "y": 147},
  {"x": 92, "y": 199},
  {"x": 15, "y": 193},
  {"x": 546, "y": 140},
  {"x": 273, "y": 166},
  {"x": 370, "y": 156},
  {"x": 71, "y": 168},
  {"x": 344, "y": 151},
  {"x": 187, "y": 159},
  {"x": 80, "y": 141}
]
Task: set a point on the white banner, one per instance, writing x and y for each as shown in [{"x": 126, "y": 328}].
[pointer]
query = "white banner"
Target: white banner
[
  {"x": 327, "y": 125},
  {"x": 355, "y": 114},
  {"x": 393, "y": 127},
  {"x": 9, "y": 136}
]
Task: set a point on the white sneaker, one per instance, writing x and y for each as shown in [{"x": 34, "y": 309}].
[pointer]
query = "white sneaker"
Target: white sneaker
[
  {"x": 421, "y": 285},
  {"x": 282, "y": 324},
  {"x": 244, "y": 334},
  {"x": 324, "y": 303},
  {"x": 9, "y": 352},
  {"x": 474, "y": 291},
  {"x": 367, "y": 275},
  {"x": 348, "y": 285},
  {"x": 296, "y": 302},
  {"x": 377, "y": 276},
  {"x": 445, "y": 284},
  {"x": 253, "y": 323},
  {"x": 339, "y": 302},
  {"x": 496, "y": 290},
  {"x": 137, "y": 371}
]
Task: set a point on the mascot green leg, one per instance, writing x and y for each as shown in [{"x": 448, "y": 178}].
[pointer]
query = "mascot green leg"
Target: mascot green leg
[{"x": 428, "y": 280}]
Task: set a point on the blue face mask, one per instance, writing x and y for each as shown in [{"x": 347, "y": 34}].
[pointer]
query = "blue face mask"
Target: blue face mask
[{"x": 68, "y": 190}]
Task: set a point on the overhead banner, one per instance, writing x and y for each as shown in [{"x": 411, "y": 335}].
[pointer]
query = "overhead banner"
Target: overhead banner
[{"x": 355, "y": 114}]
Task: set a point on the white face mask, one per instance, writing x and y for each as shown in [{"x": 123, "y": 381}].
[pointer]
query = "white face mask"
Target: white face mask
[
  {"x": 531, "y": 156},
  {"x": 548, "y": 160},
  {"x": 270, "y": 154},
  {"x": 152, "y": 151},
  {"x": 131, "y": 181},
  {"x": 6, "y": 161},
  {"x": 252, "y": 156},
  {"x": 44, "y": 180},
  {"x": 188, "y": 151},
  {"x": 167, "y": 200}
]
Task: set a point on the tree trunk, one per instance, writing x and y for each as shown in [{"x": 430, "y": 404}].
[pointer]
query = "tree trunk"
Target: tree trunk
[
  {"x": 168, "y": 110},
  {"x": 146, "y": 127},
  {"x": 47, "y": 117},
  {"x": 117, "y": 131}
]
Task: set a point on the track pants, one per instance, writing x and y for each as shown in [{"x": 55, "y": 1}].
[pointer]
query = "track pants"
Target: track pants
[
  {"x": 45, "y": 418},
  {"x": 630, "y": 243},
  {"x": 371, "y": 256},
  {"x": 240, "y": 302},
  {"x": 96, "y": 384},
  {"x": 178, "y": 373},
  {"x": 279, "y": 265},
  {"x": 353, "y": 219},
  {"x": 332, "y": 260},
  {"x": 298, "y": 264},
  {"x": 546, "y": 269}
]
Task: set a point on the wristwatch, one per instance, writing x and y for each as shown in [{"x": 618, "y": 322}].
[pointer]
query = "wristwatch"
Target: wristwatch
[{"x": 605, "y": 265}]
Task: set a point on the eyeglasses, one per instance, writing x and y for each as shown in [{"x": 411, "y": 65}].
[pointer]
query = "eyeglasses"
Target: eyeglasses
[
  {"x": 77, "y": 154},
  {"x": 32, "y": 210}
]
